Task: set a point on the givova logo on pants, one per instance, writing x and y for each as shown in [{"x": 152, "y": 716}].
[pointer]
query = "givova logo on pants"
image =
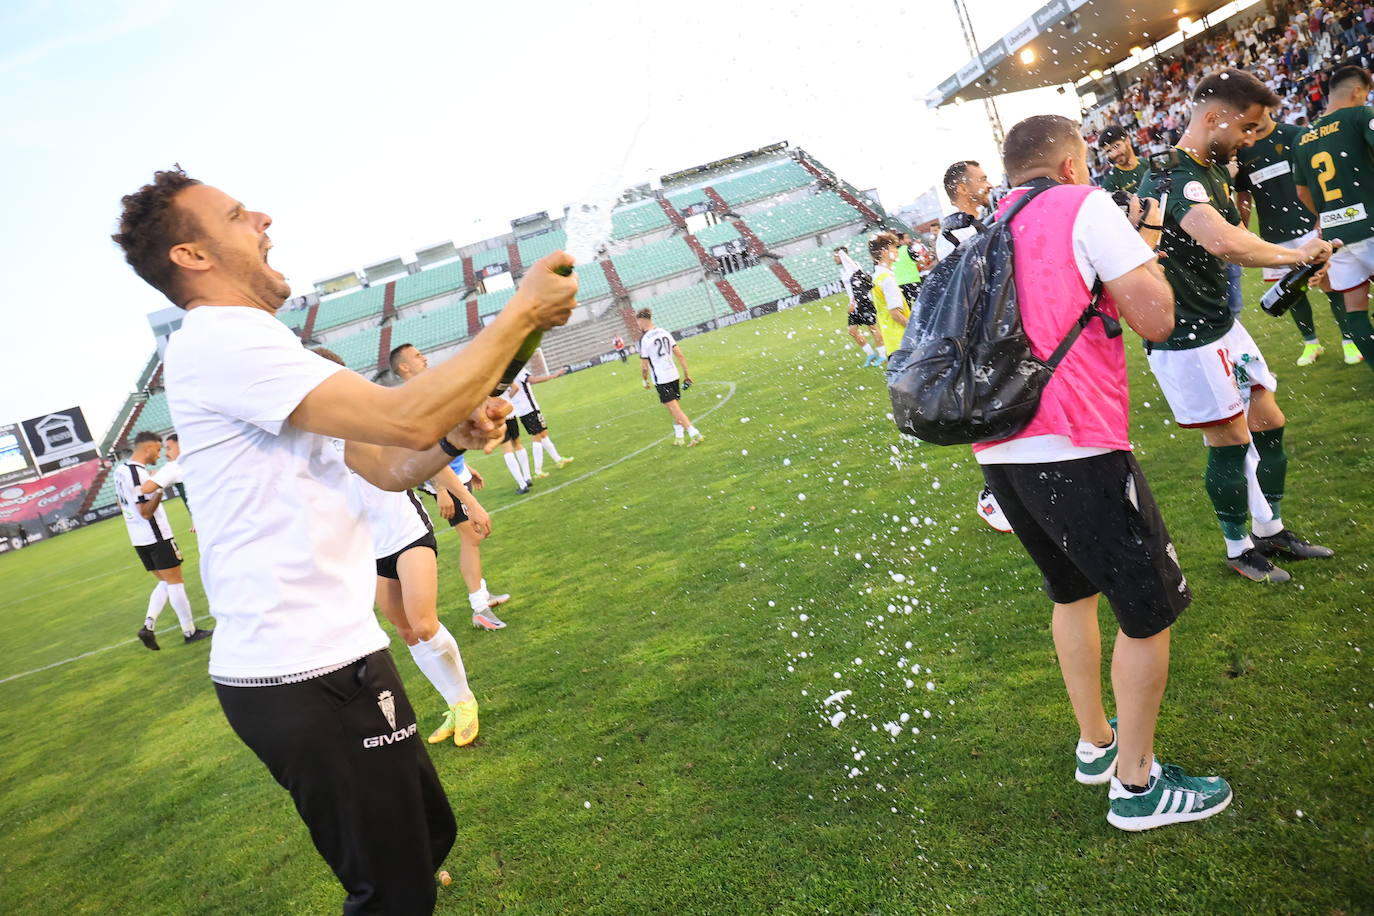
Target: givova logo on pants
[{"x": 387, "y": 704}]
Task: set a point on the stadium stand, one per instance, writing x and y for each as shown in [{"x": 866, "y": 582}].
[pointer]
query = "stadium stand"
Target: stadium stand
[
  {"x": 432, "y": 329},
  {"x": 359, "y": 351},
  {"x": 718, "y": 234},
  {"x": 427, "y": 284},
  {"x": 294, "y": 319},
  {"x": 655, "y": 261},
  {"x": 592, "y": 284},
  {"x": 497, "y": 255},
  {"x": 685, "y": 307},
  {"x": 757, "y": 285},
  {"x": 350, "y": 307},
  {"x": 751, "y": 186},
  {"x": 491, "y": 303},
  {"x": 637, "y": 219},
  {"x": 689, "y": 198},
  {"x": 536, "y": 247},
  {"x": 799, "y": 218},
  {"x": 156, "y": 415}
]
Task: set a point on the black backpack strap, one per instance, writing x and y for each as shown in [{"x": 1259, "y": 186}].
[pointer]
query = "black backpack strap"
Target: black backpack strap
[{"x": 1109, "y": 324}]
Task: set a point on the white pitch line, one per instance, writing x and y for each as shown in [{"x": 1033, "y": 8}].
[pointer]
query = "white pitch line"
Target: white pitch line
[{"x": 592, "y": 473}]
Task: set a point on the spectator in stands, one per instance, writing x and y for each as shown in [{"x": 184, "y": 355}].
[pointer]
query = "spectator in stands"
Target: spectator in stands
[
  {"x": 287, "y": 560},
  {"x": 968, "y": 189}
]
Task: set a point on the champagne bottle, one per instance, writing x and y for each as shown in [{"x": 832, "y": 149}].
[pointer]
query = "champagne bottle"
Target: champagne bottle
[{"x": 1286, "y": 291}]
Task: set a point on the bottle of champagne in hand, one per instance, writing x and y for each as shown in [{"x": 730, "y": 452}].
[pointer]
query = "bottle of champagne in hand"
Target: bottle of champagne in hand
[
  {"x": 1285, "y": 292},
  {"x": 527, "y": 348}
]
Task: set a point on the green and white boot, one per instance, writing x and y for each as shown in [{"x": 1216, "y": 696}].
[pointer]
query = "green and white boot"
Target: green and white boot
[
  {"x": 1096, "y": 764},
  {"x": 1172, "y": 798}
]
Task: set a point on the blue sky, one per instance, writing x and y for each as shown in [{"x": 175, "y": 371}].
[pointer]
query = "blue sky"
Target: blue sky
[{"x": 367, "y": 131}]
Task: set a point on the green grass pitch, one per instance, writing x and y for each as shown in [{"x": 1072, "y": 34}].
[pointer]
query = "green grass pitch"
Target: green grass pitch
[{"x": 654, "y": 738}]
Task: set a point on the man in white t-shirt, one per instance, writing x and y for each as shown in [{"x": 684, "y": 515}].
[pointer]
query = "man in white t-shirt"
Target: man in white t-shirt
[
  {"x": 151, "y": 535},
  {"x": 657, "y": 350},
  {"x": 300, "y": 664}
]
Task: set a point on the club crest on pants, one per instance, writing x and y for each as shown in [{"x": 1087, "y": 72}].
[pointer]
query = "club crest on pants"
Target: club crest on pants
[{"x": 387, "y": 703}]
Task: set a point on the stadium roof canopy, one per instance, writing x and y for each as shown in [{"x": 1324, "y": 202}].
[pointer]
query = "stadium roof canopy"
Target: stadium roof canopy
[{"x": 1067, "y": 39}]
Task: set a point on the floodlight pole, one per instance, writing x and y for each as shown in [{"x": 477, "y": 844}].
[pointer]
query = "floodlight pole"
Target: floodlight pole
[{"x": 989, "y": 106}]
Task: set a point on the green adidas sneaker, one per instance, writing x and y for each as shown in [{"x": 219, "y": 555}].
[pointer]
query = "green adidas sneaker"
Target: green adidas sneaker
[
  {"x": 1096, "y": 764},
  {"x": 1173, "y": 797}
]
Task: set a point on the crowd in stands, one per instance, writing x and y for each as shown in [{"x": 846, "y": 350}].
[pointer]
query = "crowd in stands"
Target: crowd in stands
[{"x": 1293, "y": 48}]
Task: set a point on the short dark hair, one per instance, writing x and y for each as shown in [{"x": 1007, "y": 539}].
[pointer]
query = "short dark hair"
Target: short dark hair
[
  {"x": 1038, "y": 141},
  {"x": 1111, "y": 135},
  {"x": 1348, "y": 74},
  {"x": 645, "y": 314},
  {"x": 1235, "y": 88},
  {"x": 956, "y": 173},
  {"x": 328, "y": 354},
  {"x": 146, "y": 435},
  {"x": 880, "y": 243},
  {"x": 173, "y": 438},
  {"x": 843, "y": 248},
  {"x": 151, "y": 223},
  {"x": 393, "y": 358}
]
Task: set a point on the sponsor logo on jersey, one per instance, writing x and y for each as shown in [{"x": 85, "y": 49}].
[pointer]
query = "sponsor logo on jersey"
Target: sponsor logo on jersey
[
  {"x": 1259, "y": 176},
  {"x": 1353, "y": 214},
  {"x": 1195, "y": 192},
  {"x": 383, "y": 740}
]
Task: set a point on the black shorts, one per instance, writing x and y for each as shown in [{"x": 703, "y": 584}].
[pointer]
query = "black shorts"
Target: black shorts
[
  {"x": 668, "y": 391},
  {"x": 533, "y": 422},
  {"x": 910, "y": 291},
  {"x": 460, "y": 512},
  {"x": 864, "y": 313},
  {"x": 386, "y": 566},
  {"x": 512, "y": 430},
  {"x": 1092, "y": 526},
  {"x": 160, "y": 555}
]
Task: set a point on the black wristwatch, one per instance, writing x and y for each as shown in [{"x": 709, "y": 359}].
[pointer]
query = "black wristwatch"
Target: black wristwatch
[{"x": 449, "y": 448}]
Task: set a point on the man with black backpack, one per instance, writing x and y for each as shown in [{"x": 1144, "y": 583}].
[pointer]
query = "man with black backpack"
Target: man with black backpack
[{"x": 1067, "y": 480}]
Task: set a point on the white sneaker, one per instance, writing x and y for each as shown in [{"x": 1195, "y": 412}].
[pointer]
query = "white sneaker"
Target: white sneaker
[
  {"x": 486, "y": 620},
  {"x": 990, "y": 512}
]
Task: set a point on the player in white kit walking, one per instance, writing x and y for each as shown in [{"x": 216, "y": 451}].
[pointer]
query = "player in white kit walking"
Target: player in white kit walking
[
  {"x": 657, "y": 349},
  {"x": 532, "y": 418},
  {"x": 151, "y": 535}
]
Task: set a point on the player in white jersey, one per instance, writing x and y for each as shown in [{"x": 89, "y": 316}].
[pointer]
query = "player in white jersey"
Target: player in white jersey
[
  {"x": 170, "y": 476},
  {"x": 151, "y": 535},
  {"x": 453, "y": 488},
  {"x": 532, "y": 418},
  {"x": 408, "y": 594},
  {"x": 657, "y": 350}
]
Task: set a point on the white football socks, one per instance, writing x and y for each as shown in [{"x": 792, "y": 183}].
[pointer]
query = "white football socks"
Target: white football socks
[
  {"x": 693, "y": 431},
  {"x": 548, "y": 447},
  {"x": 1236, "y": 548},
  {"x": 882, "y": 352},
  {"x": 524, "y": 460},
  {"x": 538, "y": 457},
  {"x": 156, "y": 602},
  {"x": 1266, "y": 529},
  {"x": 480, "y": 599},
  {"x": 514, "y": 465},
  {"x": 868, "y": 349},
  {"x": 438, "y": 657},
  {"x": 677, "y": 430},
  {"x": 182, "y": 605}
]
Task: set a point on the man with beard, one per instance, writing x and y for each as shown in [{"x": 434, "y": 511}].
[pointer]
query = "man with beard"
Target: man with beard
[
  {"x": 970, "y": 192},
  {"x": 1128, "y": 172},
  {"x": 1204, "y": 363}
]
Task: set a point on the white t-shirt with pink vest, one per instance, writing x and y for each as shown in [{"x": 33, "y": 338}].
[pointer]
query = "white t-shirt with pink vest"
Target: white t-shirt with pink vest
[{"x": 1079, "y": 235}]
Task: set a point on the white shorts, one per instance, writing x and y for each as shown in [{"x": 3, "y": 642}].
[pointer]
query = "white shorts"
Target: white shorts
[
  {"x": 1351, "y": 265},
  {"x": 1204, "y": 385},
  {"x": 1273, "y": 274}
]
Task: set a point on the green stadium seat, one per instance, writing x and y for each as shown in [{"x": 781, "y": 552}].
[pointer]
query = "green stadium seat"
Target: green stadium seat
[
  {"x": 498, "y": 255},
  {"x": 655, "y": 262},
  {"x": 808, "y": 216},
  {"x": 294, "y": 319},
  {"x": 536, "y": 247},
  {"x": 718, "y": 234},
  {"x": 752, "y": 186},
  {"x": 684, "y": 199},
  {"x": 359, "y": 351},
  {"x": 427, "y": 284},
  {"x": 156, "y": 416},
  {"x": 432, "y": 329},
  {"x": 591, "y": 282},
  {"x": 491, "y": 303},
  {"x": 350, "y": 307},
  {"x": 637, "y": 219},
  {"x": 757, "y": 285},
  {"x": 687, "y": 306},
  {"x": 813, "y": 269}
]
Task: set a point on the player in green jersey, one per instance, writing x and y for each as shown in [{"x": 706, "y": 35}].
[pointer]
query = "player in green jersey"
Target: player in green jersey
[
  {"x": 1265, "y": 183},
  {"x": 1334, "y": 162},
  {"x": 1128, "y": 172},
  {"x": 1209, "y": 356}
]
